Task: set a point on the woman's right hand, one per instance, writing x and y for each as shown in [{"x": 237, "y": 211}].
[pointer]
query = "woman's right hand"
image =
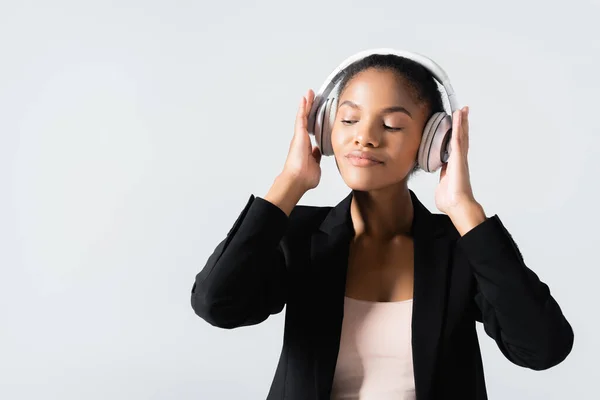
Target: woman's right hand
[
  {"x": 302, "y": 163},
  {"x": 301, "y": 171}
]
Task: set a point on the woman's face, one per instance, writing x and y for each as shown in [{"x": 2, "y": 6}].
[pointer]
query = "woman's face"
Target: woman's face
[{"x": 377, "y": 118}]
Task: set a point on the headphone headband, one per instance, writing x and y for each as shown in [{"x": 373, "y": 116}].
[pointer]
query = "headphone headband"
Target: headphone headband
[{"x": 334, "y": 77}]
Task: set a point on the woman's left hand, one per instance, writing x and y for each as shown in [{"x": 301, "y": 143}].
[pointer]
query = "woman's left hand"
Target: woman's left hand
[{"x": 454, "y": 191}]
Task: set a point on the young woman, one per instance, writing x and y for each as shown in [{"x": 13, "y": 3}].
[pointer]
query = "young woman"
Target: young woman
[{"x": 382, "y": 296}]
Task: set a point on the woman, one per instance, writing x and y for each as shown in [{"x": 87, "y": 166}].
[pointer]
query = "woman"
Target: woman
[{"x": 382, "y": 295}]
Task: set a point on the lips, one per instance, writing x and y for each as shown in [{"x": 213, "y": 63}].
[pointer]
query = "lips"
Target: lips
[{"x": 363, "y": 155}]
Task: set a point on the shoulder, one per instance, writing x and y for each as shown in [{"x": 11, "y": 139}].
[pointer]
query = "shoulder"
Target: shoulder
[
  {"x": 302, "y": 219},
  {"x": 306, "y": 218}
]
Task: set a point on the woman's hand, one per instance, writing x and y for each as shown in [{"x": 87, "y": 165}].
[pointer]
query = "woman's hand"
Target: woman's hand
[
  {"x": 454, "y": 195},
  {"x": 302, "y": 163},
  {"x": 301, "y": 171},
  {"x": 454, "y": 191}
]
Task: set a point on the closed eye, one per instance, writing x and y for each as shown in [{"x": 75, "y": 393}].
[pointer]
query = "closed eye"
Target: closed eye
[
  {"x": 392, "y": 129},
  {"x": 348, "y": 122}
]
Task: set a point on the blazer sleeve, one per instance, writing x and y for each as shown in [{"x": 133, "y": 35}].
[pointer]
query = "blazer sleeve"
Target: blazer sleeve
[
  {"x": 244, "y": 279},
  {"x": 516, "y": 308}
]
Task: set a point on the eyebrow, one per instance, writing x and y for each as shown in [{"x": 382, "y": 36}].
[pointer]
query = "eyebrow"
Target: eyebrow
[{"x": 385, "y": 110}]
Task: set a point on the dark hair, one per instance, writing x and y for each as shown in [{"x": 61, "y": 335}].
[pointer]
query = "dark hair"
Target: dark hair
[{"x": 421, "y": 82}]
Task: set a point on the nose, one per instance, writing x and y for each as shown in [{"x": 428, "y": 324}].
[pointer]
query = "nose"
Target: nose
[{"x": 366, "y": 137}]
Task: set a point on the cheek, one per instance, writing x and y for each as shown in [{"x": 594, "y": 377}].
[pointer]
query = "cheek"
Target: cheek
[
  {"x": 337, "y": 140},
  {"x": 402, "y": 155},
  {"x": 404, "y": 146},
  {"x": 339, "y": 146}
]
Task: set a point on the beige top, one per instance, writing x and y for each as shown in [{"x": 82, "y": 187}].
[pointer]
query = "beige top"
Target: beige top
[{"x": 375, "y": 356}]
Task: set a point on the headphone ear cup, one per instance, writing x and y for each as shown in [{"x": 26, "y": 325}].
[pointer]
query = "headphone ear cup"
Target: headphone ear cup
[
  {"x": 434, "y": 150},
  {"x": 328, "y": 122},
  {"x": 318, "y": 124}
]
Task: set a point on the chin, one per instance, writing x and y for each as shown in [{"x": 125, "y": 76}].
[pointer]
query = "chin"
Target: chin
[{"x": 363, "y": 182}]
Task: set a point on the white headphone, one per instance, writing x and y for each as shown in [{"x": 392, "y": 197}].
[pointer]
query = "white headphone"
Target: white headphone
[{"x": 435, "y": 143}]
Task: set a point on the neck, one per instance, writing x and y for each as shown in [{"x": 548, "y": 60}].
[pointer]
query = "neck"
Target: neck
[{"x": 383, "y": 213}]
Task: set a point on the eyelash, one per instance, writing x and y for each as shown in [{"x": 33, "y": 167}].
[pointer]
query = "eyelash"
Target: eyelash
[{"x": 385, "y": 126}]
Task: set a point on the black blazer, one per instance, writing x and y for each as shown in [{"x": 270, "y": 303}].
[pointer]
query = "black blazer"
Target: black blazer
[{"x": 269, "y": 260}]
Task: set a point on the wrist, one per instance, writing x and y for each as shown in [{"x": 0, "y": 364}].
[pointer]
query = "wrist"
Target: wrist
[
  {"x": 291, "y": 185},
  {"x": 285, "y": 193},
  {"x": 467, "y": 216}
]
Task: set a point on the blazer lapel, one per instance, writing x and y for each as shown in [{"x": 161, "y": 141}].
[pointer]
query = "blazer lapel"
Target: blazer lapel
[
  {"x": 432, "y": 257},
  {"x": 330, "y": 247},
  {"x": 329, "y": 258}
]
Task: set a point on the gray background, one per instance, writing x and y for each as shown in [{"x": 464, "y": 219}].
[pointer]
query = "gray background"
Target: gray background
[{"x": 133, "y": 132}]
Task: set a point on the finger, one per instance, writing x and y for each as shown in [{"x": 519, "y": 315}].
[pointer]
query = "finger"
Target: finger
[
  {"x": 456, "y": 131},
  {"x": 456, "y": 125},
  {"x": 300, "y": 122},
  {"x": 465, "y": 130},
  {"x": 308, "y": 105},
  {"x": 466, "y": 121},
  {"x": 310, "y": 97}
]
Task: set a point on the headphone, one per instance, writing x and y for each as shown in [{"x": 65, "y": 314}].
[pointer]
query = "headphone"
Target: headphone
[{"x": 434, "y": 149}]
